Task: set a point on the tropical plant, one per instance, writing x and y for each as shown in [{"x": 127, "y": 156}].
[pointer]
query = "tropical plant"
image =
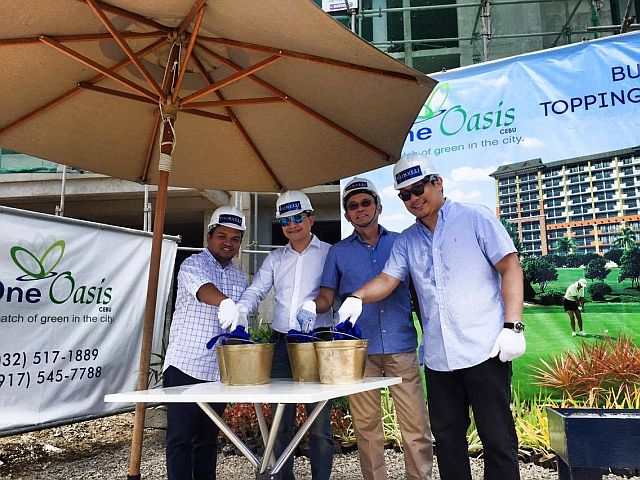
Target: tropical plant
[
  {"x": 262, "y": 334},
  {"x": 512, "y": 230},
  {"x": 565, "y": 245},
  {"x": 390, "y": 428},
  {"x": 625, "y": 238},
  {"x": 596, "y": 269},
  {"x": 630, "y": 267},
  {"x": 593, "y": 371},
  {"x": 576, "y": 260},
  {"x": 539, "y": 270}
]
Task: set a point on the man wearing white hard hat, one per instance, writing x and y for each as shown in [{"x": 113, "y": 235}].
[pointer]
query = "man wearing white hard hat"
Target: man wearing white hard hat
[
  {"x": 208, "y": 284},
  {"x": 294, "y": 271},
  {"x": 574, "y": 305},
  {"x": 469, "y": 284},
  {"x": 388, "y": 327}
]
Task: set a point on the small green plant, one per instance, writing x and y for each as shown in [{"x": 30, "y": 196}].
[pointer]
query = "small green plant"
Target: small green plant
[
  {"x": 262, "y": 334},
  {"x": 390, "y": 428},
  {"x": 551, "y": 297}
]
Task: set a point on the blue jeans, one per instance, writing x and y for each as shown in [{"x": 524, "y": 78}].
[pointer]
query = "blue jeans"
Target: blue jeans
[
  {"x": 321, "y": 439},
  {"x": 192, "y": 438}
]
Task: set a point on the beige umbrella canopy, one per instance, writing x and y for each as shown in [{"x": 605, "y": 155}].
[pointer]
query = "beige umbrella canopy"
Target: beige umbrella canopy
[
  {"x": 270, "y": 94},
  {"x": 250, "y": 95}
]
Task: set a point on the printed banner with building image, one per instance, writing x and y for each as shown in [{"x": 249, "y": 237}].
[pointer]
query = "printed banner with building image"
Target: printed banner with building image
[
  {"x": 557, "y": 104},
  {"x": 72, "y": 301}
]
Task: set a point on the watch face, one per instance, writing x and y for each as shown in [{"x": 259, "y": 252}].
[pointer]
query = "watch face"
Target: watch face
[{"x": 518, "y": 327}]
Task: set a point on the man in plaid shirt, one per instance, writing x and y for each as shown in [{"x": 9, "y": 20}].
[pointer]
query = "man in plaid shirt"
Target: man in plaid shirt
[{"x": 208, "y": 285}]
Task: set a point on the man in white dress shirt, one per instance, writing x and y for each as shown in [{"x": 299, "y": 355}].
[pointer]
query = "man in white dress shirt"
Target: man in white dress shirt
[{"x": 294, "y": 272}]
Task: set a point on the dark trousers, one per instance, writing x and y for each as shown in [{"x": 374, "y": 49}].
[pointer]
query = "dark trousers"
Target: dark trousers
[
  {"x": 320, "y": 436},
  {"x": 192, "y": 438},
  {"x": 485, "y": 387}
]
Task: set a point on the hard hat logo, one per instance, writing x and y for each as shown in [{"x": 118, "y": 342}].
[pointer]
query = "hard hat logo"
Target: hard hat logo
[
  {"x": 409, "y": 173},
  {"x": 289, "y": 207},
  {"x": 356, "y": 185},
  {"x": 234, "y": 219}
]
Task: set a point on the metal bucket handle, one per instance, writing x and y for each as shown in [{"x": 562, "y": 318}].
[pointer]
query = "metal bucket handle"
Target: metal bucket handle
[
  {"x": 286, "y": 338},
  {"x": 342, "y": 333}
]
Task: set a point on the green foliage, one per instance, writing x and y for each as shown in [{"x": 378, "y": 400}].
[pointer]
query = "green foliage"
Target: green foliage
[
  {"x": 625, "y": 238},
  {"x": 557, "y": 260},
  {"x": 565, "y": 245},
  {"x": 598, "y": 290},
  {"x": 512, "y": 230},
  {"x": 615, "y": 255},
  {"x": 578, "y": 259},
  {"x": 539, "y": 270},
  {"x": 630, "y": 267},
  {"x": 552, "y": 297},
  {"x": 262, "y": 334},
  {"x": 595, "y": 269}
]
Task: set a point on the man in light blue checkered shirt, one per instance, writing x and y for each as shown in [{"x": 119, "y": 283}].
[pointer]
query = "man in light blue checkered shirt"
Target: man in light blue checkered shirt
[
  {"x": 470, "y": 288},
  {"x": 208, "y": 285}
]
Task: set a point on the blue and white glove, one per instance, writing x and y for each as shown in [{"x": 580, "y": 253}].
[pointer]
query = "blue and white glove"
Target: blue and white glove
[
  {"x": 509, "y": 344},
  {"x": 243, "y": 317},
  {"x": 228, "y": 314},
  {"x": 306, "y": 316},
  {"x": 350, "y": 310}
]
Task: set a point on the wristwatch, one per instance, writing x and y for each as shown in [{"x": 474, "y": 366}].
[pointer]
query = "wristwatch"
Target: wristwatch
[{"x": 517, "y": 327}]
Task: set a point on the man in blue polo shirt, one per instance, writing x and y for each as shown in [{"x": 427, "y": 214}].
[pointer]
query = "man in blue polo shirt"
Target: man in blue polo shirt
[
  {"x": 470, "y": 285},
  {"x": 388, "y": 326}
]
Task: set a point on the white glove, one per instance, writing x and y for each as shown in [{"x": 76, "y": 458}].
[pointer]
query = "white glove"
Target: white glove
[
  {"x": 228, "y": 313},
  {"x": 350, "y": 310},
  {"x": 306, "y": 316},
  {"x": 579, "y": 308},
  {"x": 509, "y": 344},
  {"x": 243, "y": 317}
]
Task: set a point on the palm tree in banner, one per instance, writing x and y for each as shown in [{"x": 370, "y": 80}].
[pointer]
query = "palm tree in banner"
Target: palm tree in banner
[
  {"x": 565, "y": 245},
  {"x": 625, "y": 238}
]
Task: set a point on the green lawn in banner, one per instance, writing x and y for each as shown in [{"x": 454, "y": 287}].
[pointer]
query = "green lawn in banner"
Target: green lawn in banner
[
  {"x": 567, "y": 276},
  {"x": 548, "y": 333}
]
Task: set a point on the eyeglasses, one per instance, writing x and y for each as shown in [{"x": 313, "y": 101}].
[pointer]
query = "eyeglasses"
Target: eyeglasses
[
  {"x": 299, "y": 218},
  {"x": 366, "y": 203},
  {"x": 417, "y": 189}
]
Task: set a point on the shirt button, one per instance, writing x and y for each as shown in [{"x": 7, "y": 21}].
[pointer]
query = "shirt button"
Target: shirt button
[
  {"x": 382, "y": 310},
  {"x": 441, "y": 306},
  {"x": 384, "y": 331}
]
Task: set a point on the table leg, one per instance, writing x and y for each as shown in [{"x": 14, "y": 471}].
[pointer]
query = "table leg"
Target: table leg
[
  {"x": 211, "y": 413},
  {"x": 297, "y": 437},
  {"x": 269, "y": 438}
]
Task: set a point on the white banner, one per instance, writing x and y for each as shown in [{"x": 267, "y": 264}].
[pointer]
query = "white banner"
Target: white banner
[
  {"x": 339, "y": 5},
  {"x": 72, "y": 300}
]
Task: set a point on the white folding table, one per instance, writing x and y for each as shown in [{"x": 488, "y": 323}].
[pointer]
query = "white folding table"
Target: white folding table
[{"x": 279, "y": 391}]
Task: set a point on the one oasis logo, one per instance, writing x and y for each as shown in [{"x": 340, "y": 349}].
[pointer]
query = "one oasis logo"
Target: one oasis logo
[
  {"x": 63, "y": 287},
  {"x": 457, "y": 118}
]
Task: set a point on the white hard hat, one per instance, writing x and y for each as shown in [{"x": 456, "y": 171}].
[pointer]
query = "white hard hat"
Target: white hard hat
[
  {"x": 227, "y": 216},
  {"x": 582, "y": 282},
  {"x": 359, "y": 185},
  {"x": 291, "y": 203},
  {"x": 411, "y": 168}
]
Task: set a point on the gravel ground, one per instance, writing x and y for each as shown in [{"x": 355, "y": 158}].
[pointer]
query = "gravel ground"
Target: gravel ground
[{"x": 99, "y": 449}]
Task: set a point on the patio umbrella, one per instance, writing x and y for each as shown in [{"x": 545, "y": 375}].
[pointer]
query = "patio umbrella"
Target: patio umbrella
[{"x": 252, "y": 95}]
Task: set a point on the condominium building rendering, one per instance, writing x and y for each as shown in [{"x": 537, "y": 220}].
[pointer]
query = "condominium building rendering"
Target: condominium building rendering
[{"x": 588, "y": 199}]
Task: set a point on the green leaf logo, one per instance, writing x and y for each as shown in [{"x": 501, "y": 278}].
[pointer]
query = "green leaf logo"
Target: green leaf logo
[
  {"x": 433, "y": 105},
  {"x": 36, "y": 267}
]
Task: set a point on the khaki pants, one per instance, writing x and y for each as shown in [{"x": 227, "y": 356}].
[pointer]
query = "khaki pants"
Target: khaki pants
[{"x": 412, "y": 415}]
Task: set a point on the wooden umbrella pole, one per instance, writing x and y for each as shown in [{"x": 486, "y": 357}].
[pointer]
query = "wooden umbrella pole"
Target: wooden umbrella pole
[{"x": 152, "y": 294}]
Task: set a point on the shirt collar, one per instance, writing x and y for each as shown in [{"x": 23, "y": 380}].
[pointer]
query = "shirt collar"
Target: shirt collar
[
  {"x": 215, "y": 261},
  {"x": 315, "y": 242},
  {"x": 354, "y": 236}
]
